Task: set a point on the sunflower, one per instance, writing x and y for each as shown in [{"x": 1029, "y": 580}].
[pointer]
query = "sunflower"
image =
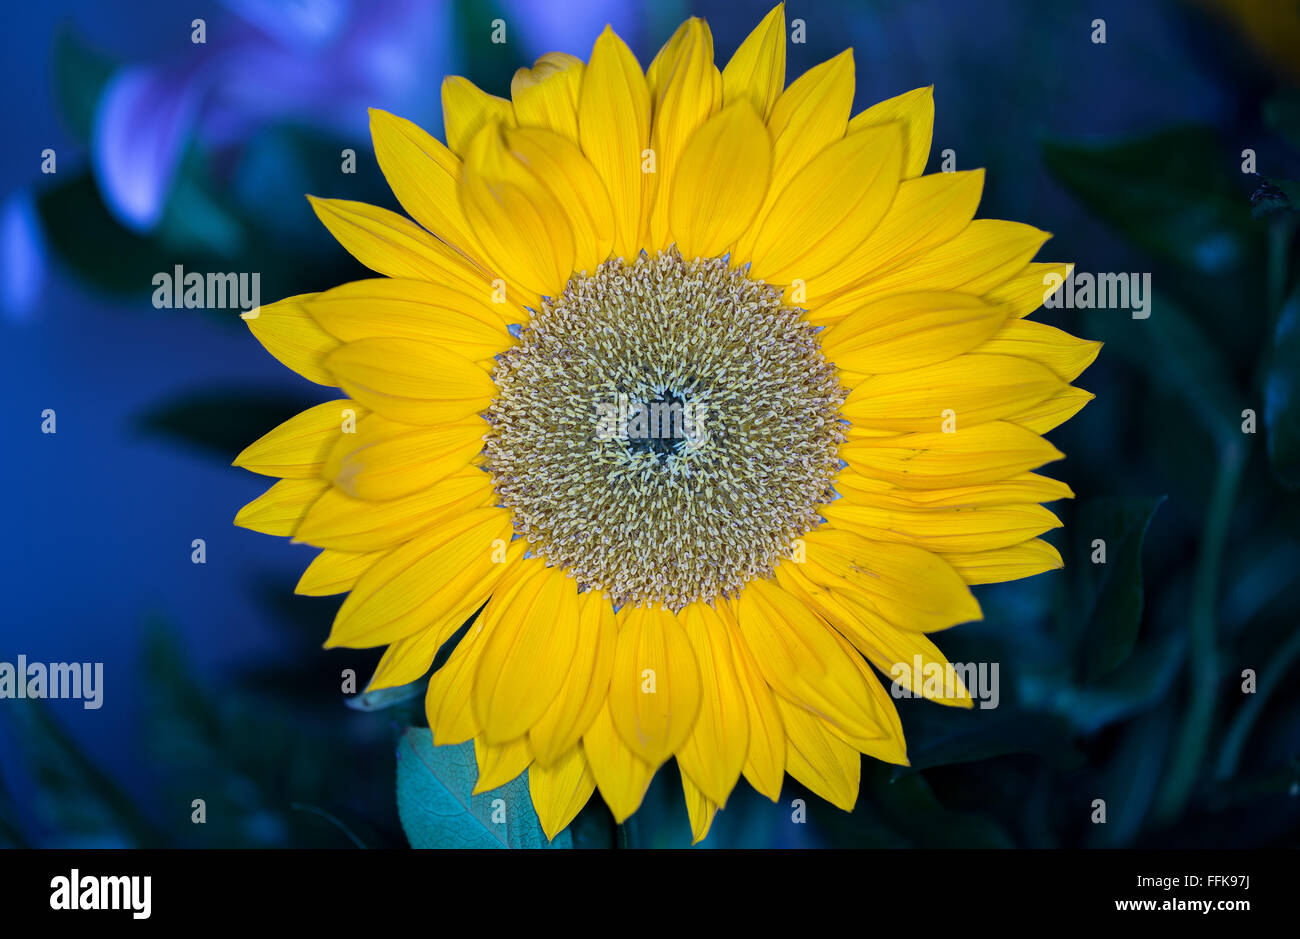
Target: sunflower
[{"x": 845, "y": 403}]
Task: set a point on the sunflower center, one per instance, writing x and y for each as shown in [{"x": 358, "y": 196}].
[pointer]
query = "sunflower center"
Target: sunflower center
[{"x": 665, "y": 430}]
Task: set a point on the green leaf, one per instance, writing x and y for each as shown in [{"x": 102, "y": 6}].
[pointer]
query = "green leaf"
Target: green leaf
[
  {"x": 80, "y": 74},
  {"x": 1188, "y": 363},
  {"x": 1129, "y": 783},
  {"x": 1135, "y": 686},
  {"x": 76, "y": 797},
  {"x": 1170, "y": 193},
  {"x": 1282, "y": 113},
  {"x": 1115, "y": 587},
  {"x": 1275, "y": 195},
  {"x": 384, "y": 698},
  {"x": 909, "y": 805},
  {"x": 487, "y": 64},
  {"x": 939, "y": 736},
  {"x": 79, "y": 227},
  {"x": 221, "y": 422},
  {"x": 437, "y": 809},
  {"x": 1282, "y": 395},
  {"x": 200, "y": 231}
]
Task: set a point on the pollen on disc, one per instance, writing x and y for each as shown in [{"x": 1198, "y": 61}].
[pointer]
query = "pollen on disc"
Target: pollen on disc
[{"x": 665, "y": 430}]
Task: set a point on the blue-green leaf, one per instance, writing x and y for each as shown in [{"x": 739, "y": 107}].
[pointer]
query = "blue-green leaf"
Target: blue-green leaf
[
  {"x": 1116, "y": 586},
  {"x": 80, "y": 74},
  {"x": 1282, "y": 112},
  {"x": 383, "y": 698},
  {"x": 221, "y": 421},
  {"x": 943, "y": 736},
  {"x": 434, "y": 801},
  {"x": 1282, "y": 395},
  {"x": 1171, "y": 193}
]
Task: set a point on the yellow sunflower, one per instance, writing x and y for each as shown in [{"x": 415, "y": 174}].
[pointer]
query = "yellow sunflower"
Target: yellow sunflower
[{"x": 863, "y": 401}]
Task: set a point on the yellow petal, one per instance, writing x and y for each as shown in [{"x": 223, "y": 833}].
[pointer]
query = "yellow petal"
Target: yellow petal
[
  {"x": 888, "y": 744},
  {"x": 522, "y": 227},
  {"x": 447, "y": 702},
  {"x": 654, "y": 689},
  {"x": 981, "y": 528},
  {"x": 289, "y": 333},
  {"x": 665, "y": 60},
  {"x": 926, "y": 212},
  {"x": 971, "y": 456},
  {"x": 546, "y": 95},
  {"x": 1024, "y": 487},
  {"x": 829, "y": 208},
  {"x": 700, "y": 810},
  {"x": 419, "y": 581},
  {"x": 808, "y": 117},
  {"x": 576, "y": 186},
  {"x": 586, "y": 686},
  {"x": 532, "y": 635},
  {"x": 344, "y": 523},
  {"x": 819, "y": 759},
  {"x": 394, "y": 246},
  {"x": 1002, "y": 564},
  {"x": 765, "y": 756},
  {"x": 385, "y": 460},
  {"x": 411, "y": 381},
  {"x": 1029, "y": 289},
  {"x": 279, "y": 510},
  {"x": 904, "y": 584},
  {"x": 622, "y": 776},
  {"x": 1064, "y": 354},
  {"x": 409, "y": 658},
  {"x": 756, "y": 73},
  {"x": 714, "y": 754},
  {"x": 499, "y": 763},
  {"x": 800, "y": 658},
  {"x": 720, "y": 182},
  {"x": 335, "y": 572},
  {"x": 909, "y": 330},
  {"x": 469, "y": 325},
  {"x": 423, "y": 174},
  {"x": 984, "y": 255},
  {"x": 886, "y": 646},
  {"x": 298, "y": 448},
  {"x": 686, "y": 89},
  {"x": 559, "y": 791},
  {"x": 1054, "y": 411},
  {"x": 467, "y": 109},
  {"x": 915, "y": 111},
  {"x": 614, "y": 130},
  {"x": 977, "y": 388}
]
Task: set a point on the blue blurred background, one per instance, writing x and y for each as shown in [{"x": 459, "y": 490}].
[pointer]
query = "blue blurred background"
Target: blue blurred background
[{"x": 173, "y": 152}]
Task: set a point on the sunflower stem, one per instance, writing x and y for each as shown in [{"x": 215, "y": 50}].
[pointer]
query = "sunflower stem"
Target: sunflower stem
[
  {"x": 1239, "y": 730},
  {"x": 1203, "y": 658}
]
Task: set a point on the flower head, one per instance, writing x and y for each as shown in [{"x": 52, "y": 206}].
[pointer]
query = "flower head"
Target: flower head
[{"x": 700, "y": 390}]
